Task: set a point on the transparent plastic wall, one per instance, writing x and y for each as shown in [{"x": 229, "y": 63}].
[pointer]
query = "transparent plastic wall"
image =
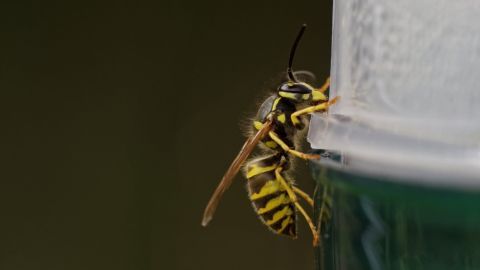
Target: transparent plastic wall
[{"x": 408, "y": 75}]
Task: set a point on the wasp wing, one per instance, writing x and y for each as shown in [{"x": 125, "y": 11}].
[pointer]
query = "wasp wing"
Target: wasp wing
[{"x": 227, "y": 179}]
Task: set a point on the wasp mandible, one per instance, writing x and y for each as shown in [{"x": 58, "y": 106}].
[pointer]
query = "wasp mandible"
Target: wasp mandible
[{"x": 276, "y": 128}]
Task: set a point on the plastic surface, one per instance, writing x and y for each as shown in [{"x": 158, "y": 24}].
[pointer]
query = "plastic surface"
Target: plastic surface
[
  {"x": 376, "y": 224},
  {"x": 408, "y": 74}
]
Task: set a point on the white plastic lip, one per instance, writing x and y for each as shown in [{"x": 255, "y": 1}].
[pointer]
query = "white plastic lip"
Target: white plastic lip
[
  {"x": 408, "y": 76},
  {"x": 396, "y": 157}
]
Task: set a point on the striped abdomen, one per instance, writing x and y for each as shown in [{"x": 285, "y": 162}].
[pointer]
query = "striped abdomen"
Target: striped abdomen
[{"x": 268, "y": 196}]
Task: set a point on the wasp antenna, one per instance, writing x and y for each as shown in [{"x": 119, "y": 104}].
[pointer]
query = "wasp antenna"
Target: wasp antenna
[{"x": 292, "y": 53}]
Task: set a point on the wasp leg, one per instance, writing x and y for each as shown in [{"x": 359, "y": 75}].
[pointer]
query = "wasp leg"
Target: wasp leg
[
  {"x": 324, "y": 213},
  {"x": 320, "y": 107},
  {"x": 324, "y": 86},
  {"x": 304, "y": 195},
  {"x": 285, "y": 148},
  {"x": 294, "y": 199}
]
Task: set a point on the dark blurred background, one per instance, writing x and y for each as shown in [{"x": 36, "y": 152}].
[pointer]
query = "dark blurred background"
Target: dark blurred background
[{"x": 119, "y": 118}]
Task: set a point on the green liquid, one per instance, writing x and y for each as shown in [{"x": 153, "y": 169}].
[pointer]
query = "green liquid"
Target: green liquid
[{"x": 377, "y": 224}]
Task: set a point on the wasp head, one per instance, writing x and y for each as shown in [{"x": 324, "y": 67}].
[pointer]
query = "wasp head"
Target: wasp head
[{"x": 295, "y": 91}]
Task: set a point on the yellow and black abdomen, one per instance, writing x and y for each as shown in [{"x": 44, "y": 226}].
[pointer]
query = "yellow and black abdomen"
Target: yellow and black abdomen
[{"x": 269, "y": 198}]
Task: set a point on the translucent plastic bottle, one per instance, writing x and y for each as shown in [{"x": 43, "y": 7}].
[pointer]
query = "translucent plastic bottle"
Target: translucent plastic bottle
[{"x": 406, "y": 185}]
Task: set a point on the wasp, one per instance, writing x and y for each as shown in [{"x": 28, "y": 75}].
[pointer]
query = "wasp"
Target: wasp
[{"x": 275, "y": 129}]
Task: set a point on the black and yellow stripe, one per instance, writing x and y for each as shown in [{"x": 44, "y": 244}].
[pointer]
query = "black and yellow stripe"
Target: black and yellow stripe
[{"x": 269, "y": 197}]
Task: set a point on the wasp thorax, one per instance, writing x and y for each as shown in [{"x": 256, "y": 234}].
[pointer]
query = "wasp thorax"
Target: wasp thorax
[{"x": 295, "y": 91}]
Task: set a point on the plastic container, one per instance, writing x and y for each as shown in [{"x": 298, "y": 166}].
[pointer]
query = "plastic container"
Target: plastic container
[{"x": 407, "y": 128}]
